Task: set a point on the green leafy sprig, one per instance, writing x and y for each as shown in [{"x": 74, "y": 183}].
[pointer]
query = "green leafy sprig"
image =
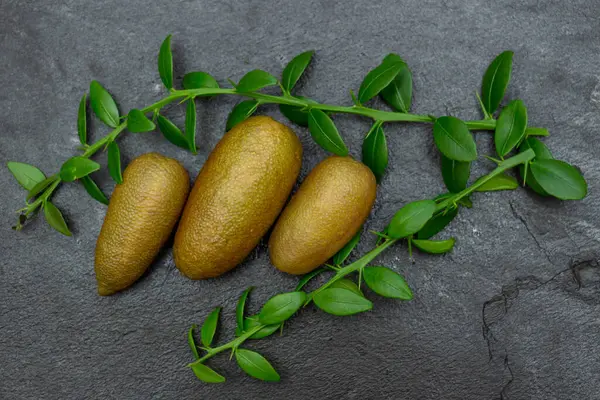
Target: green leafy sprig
[{"x": 392, "y": 80}]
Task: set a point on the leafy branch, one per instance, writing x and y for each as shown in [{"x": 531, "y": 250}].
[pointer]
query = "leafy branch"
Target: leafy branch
[{"x": 392, "y": 79}]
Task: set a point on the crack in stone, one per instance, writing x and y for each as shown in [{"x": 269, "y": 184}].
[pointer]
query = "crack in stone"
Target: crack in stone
[{"x": 526, "y": 225}]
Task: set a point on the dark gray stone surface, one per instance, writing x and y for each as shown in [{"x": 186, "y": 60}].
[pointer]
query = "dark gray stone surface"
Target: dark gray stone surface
[{"x": 502, "y": 317}]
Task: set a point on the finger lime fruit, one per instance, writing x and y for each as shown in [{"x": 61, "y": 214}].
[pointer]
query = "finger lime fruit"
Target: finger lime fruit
[
  {"x": 141, "y": 215},
  {"x": 329, "y": 208},
  {"x": 237, "y": 196}
]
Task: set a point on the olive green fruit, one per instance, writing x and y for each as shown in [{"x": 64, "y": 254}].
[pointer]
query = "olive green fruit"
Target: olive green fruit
[
  {"x": 237, "y": 196},
  {"x": 329, "y": 208},
  {"x": 141, "y": 215}
]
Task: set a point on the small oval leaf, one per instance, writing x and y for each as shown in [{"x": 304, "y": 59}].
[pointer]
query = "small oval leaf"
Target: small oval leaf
[
  {"x": 93, "y": 189},
  {"x": 495, "y": 81},
  {"x": 454, "y": 140},
  {"x": 77, "y": 167},
  {"x": 411, "y": 218},
  {"x": 252, "y": 322},
  {"x": 114, "y": 162},
  {"x": 298, "y": 115},
  {"x": 308, "y": 277},
  {"x": 165, "y": 63},
  {"x": 341, "y": 302},
  {"x": 255, "y": 80},
  {"x": 209, "y": 327},
  {"x": 190, "y": 125},
  {"x": 294, "y": 69},
  {"x": 510, "y": 127},
  {"x": 398, "y": 94},
  {"x": 241, "y": 309},
  {"x": 27, "y": 175},
  {"x": 199, "y": 80},
  {"x": 348, "y": 285},
  {"x": 559, "y": 179},
  {"x": 343, "y": 254},
  {"x": 541, "y": 152},
  {"x": 82, "y": 120},
  {"x": 375, "y": 151},
  {"x": 387, "y": 283},
  {"x": 281, "y": 307},
  {"x": 379, "y": 78},
  {"x": 241, "y": 112},
  {"x": 434, "y": 246},
  {"x": 192, "y": 342},
  {"x": 55, "y": 218},
  {"x": 498, "y": 182},
  {"x": 171, "y": 132},
  {"x": 103, "y": 105},
  {"x": 137, "y": 122},
  {"x": 256, "y": 365},
  {"x": 455, "y": 173},
  {"x": 325, "y": 134},
  {"x": 207, "y": 374},
  {"x": 40, "y": 187},
  {"x": 436, "y": 224}
]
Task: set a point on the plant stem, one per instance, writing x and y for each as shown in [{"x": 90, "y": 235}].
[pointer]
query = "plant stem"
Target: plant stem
[{"x": 233, "y": 344}]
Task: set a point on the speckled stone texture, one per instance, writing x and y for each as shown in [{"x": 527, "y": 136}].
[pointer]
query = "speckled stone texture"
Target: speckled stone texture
[{"x": 512, "y": 313}]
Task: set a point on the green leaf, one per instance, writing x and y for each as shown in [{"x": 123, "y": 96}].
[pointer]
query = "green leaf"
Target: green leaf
[
  {"x": 241, "y": 309},
  {"x": 137, "y": 122},
  {"x": 114, "y": 162},
  {"x": 199, "y": 80},
  {"x": 40, "y": 187},
  {"x": 343, "y": 254},
  {"x": 306, "y": 278},
  {"x": 256, "y": 365},
  {"x": 55, "y": 218},
  {"x": 171, "y": 132},
  {"x": 434, "y": 246},
  {"x": 27, "y": 175},
  {"x": 541, "y": 152},
  {"x": 341, "y": 302},
  {"x": 436, "y": 224},
  {"x": 93, "y": 189},
  {"x": 379, "y": 78},
  {"x": 209, "y": 327},
  {"x": 325, "y": 134},
  {"x": 281, "y": 307},
  {"x": 190, "y": 125},
  {"x": 207, "y": 374},
  {"x": 294, "y": 70},
  {"x": 165, "y": 63},
  {"x": 498, "y": 182},
  {"x": 454, "y": 140},
  {"x": 495, "y": 81},
  {"x": 348, "y": 285},
  {"x": 77, "y": 167},
  {"x": 192, "y": 342},
  {"x": 298, "y": 115},
  {"x": 559, "y": 179},
  {"x": 241, "y": 112},
  {"x": 398, "y": 94},
  {"x": 375, "y": 151},
  {"x": 455, "y": 173},
  {"x": 252, "y": 322},
  {"x": 255, "y": 80},
  {"x": 82, "y": 120},
  {"x": 411, "y": 218},
  {"x": 510, "y": 128},
  {"x": 103, "y": 105},
  {"x": 387, "y": 283}
]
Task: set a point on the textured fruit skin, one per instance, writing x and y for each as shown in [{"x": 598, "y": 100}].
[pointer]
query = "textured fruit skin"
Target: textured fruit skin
[
  {"x": 329, "y": 208},
  {"x": 237, "y": 196},
  {"x": 141, "y": 215}
]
